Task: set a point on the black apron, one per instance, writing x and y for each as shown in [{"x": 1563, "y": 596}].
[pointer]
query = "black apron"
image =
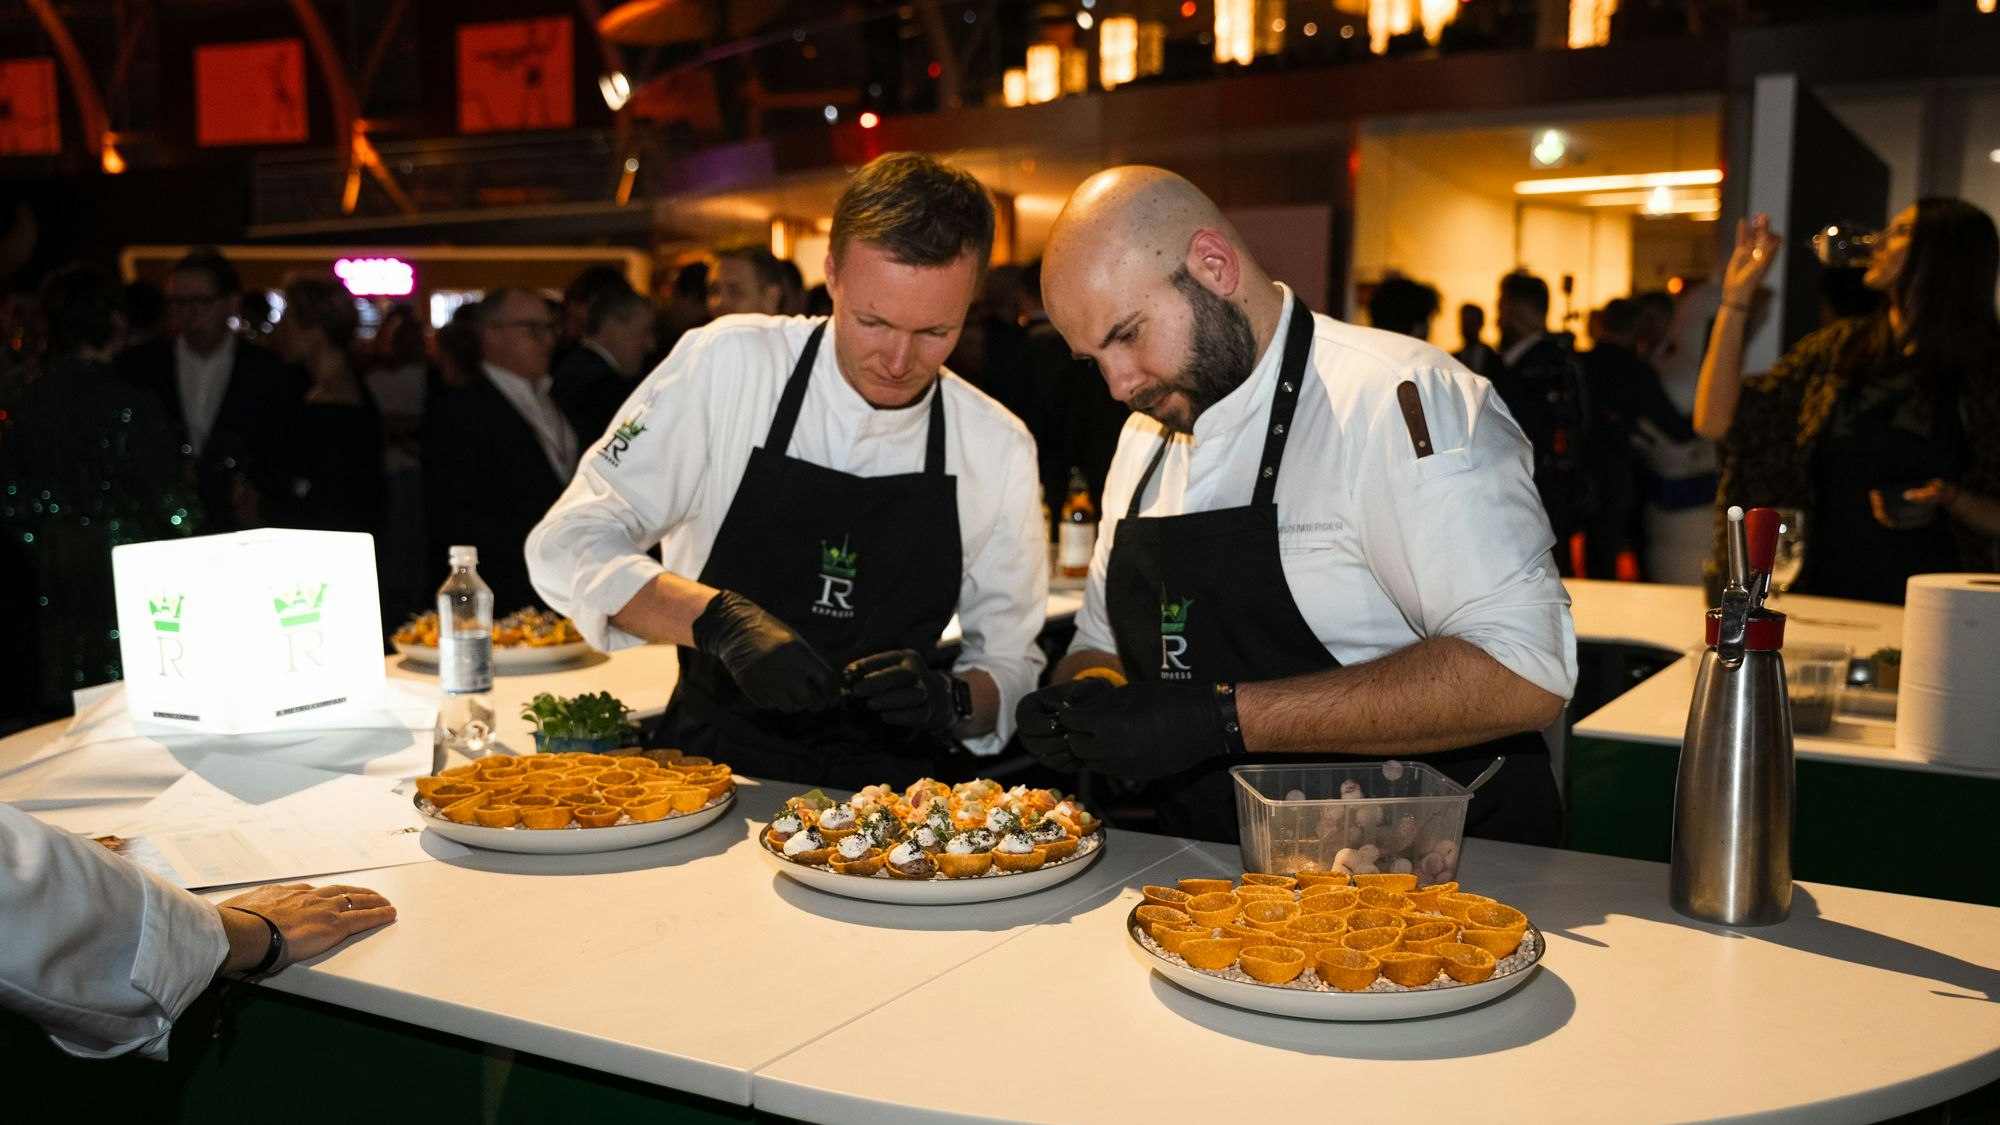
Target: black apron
[
  {"x": 857, "y": 565},
  {"x": 1202, "y": 597}
]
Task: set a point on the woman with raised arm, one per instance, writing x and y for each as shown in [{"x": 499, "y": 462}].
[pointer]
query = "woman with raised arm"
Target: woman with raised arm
[{"x": 1884, "y": 429}]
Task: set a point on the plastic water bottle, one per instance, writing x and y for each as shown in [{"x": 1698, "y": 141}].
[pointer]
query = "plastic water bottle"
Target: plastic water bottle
[{"x": 465, "y": 657}]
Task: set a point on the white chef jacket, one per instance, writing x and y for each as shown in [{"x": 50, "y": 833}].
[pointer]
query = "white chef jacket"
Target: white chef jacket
[
  {"x": 697, "y": 417},
  {"x": 1380, "y": 548},
  {"x": 100, "y": 953}
]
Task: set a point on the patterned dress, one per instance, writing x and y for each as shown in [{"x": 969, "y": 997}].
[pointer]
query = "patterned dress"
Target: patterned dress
[
  {"x": 86, "y": 463},
  {"x": 1833, "y": 410}
]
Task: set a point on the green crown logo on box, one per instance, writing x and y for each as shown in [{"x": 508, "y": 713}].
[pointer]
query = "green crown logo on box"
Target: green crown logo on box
[
  {"x": 299, "y": 607},
  {"x": 839, "y": 562},
  {"x": 166, "y": 612},
  {"x": 1174, "y": 615}
]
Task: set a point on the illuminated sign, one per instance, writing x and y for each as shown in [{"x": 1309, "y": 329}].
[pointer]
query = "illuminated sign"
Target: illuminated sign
[
  {"x": 376, "y": 277},
  {"x": 250, "y": 93}
]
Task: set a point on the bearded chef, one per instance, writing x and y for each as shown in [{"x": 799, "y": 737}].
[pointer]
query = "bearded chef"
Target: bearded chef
[
  {"x": 1319, "y": 540},
  {"x": 825, "y": 496}
]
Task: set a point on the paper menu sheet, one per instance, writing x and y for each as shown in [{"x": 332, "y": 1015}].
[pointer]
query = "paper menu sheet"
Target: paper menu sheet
[{"x": 237, "y": 820}]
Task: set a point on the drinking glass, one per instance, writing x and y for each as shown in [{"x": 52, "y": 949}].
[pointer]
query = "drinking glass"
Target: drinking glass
[{"x": 1791, "y": 556}]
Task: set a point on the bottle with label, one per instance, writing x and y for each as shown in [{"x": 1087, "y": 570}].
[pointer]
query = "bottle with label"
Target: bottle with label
[
  {"x": 465, "y": 657},
  {"x": 1076, "y": 532}
]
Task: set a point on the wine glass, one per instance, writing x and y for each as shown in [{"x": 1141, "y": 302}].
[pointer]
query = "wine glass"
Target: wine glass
[{"x": 1791, "y": 554}]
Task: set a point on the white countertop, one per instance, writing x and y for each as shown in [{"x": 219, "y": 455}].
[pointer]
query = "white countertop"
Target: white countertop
[
  {"x": 1641, "y": 614},
  {"x": 1655, "y": 710},
  {"x": 692, "y": 964},
  {"x": 688, "y": 963},
  {"x": 1863, "y": 1005}
]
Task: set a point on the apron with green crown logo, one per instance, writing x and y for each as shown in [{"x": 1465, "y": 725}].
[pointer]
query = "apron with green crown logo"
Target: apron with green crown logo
[{"x": 1202, "y": 597}]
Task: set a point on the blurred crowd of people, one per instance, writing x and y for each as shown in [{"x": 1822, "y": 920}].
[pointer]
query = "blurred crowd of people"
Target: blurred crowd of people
[
  {"x": 1616, "y": 456},
  {"x": 133, "y": 412},
  {"x": 1880, "y": 430}
]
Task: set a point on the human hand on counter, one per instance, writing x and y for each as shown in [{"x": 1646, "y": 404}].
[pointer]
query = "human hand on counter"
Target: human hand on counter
[
  {"x": 1146, "y": 730},
  {"x": 1037, "y": 718},
  {"x": 776, "y": 668},
  {"x": 1756, "y": 252},
  {"x": 899, "y": 686},
  {"x": 312, "y": 920}
]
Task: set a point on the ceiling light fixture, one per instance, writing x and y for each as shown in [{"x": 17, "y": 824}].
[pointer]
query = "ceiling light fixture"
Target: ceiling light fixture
[{"x": 1702, "y": 177}]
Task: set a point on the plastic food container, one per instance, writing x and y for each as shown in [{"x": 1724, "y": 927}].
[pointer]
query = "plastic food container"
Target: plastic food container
[
  {"x": 1814, "y": 678},
  {"x": 1397, "y": 817}
]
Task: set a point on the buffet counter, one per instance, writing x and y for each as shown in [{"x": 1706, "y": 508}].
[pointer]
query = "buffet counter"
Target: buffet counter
[{"x": 690, "y": 976}]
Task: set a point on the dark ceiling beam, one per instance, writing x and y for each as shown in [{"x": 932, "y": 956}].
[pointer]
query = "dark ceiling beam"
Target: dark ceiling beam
[{"x": 83, "y": 86}]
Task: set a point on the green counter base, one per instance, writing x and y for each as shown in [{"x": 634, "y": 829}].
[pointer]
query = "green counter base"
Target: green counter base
[{"x": 247, "y": 1054}]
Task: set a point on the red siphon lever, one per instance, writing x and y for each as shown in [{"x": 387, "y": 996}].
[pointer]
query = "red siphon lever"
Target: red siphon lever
[{"x": 1760, "y": 526}]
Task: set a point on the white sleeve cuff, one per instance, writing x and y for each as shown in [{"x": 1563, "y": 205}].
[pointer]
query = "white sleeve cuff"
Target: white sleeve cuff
[
  {"x": 610, "y": 589},
  {"x": 181, "y": 945}
]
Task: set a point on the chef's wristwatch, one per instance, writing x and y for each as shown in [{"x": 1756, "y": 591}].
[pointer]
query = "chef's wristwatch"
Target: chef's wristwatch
[{"x": 961, "y": 698}]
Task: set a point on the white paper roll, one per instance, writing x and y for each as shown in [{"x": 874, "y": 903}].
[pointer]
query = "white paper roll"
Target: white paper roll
[{"x": 1948, "y": 699}]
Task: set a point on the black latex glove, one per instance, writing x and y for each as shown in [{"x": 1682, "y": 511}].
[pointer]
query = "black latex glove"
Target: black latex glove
[
  {"x": 775, "y": 667},
  {"x": 1147, "y": 730},
  {"x": 1038, "y": 720},
  {"x": 904, "y": 690}
]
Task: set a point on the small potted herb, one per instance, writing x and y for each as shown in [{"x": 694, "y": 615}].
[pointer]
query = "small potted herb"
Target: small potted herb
[
  {"x": 595, "y": 723},
  {"x": 1888, "y": 664}
]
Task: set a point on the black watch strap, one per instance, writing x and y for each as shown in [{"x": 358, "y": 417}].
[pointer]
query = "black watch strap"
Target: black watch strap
[
  {"x": 275, "y": 953},
  {"x": 961, "y": 698},
  {"x": 1232, "y": 724}
]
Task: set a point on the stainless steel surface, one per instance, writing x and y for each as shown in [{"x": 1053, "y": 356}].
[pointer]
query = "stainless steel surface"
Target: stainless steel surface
[
  {"x": 1735, "y": 625},
  {"x": 1739, "y": 550},
  {"x": 1734, "y": 795},
  {"x": 1486, "y": 774}
]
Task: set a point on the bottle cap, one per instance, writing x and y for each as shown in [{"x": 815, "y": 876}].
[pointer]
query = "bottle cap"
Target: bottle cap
[{"x": 464, "y": 556}]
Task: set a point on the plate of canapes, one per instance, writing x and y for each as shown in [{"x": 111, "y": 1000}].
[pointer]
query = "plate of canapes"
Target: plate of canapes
[
  {"x": 526, "y": 638},
  {"x": 1319, "y": 946},
  {"x": 563, "y": 804},
  {"x": 933, "y": 843}
]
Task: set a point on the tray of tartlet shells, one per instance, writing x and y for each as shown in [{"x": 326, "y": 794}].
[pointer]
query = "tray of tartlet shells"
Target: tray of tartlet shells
[
  {"x": 933, "y": 843},
  {"x": 1325, "y": 946},
  {"x": 571, "y": 803}
]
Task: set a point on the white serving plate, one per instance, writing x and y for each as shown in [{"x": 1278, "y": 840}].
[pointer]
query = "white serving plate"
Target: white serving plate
[
  {"x": 575, "y": 841},
  {"x": 933, "y": 892},
  {"x": 1310, "y": 1004},
  {"x": 507, "y": 659}
]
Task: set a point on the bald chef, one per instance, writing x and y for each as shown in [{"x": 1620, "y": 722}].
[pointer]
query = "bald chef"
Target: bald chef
[
  {"x": 825, "y": 497},
  {"x": 1318, "y": 539}
]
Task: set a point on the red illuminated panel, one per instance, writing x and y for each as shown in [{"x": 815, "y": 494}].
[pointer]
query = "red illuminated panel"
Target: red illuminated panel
[
  {"x": 516, "y": 74},
  {"x": 250, "y": 93},
  {"x": 29, "y": 122}
]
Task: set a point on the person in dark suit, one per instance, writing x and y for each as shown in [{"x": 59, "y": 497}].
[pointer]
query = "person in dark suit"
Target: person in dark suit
[
  {"x": 1541, "y": 382},
  {"x": 223, "y": 395},
  {"x": 329, "y": 465},
  {"x": 498, "y": 451},
  {"x": 596, "y": 378},
  {"x": 1623, "y": 390}
]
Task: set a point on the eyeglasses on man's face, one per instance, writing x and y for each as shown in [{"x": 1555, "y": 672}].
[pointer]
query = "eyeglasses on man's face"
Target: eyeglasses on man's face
[{"x": 531, "y": 327}]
